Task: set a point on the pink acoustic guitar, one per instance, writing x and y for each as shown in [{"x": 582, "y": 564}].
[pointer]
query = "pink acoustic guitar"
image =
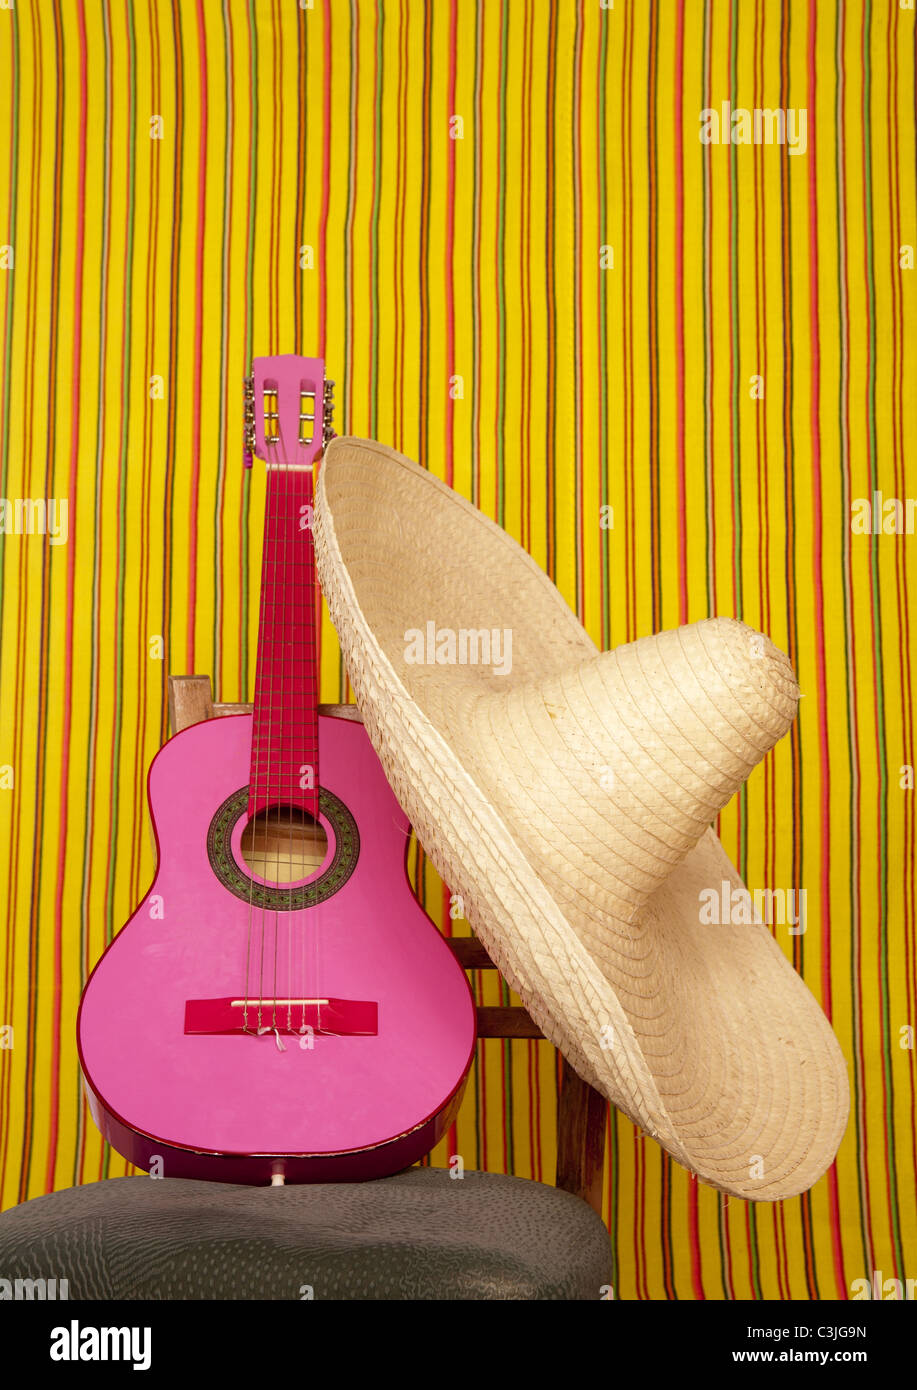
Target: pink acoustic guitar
[{"x": 279, "y": 1008}]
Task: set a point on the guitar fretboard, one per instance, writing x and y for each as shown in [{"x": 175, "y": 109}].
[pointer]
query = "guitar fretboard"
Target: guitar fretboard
[{"x": 284, "y": 761}]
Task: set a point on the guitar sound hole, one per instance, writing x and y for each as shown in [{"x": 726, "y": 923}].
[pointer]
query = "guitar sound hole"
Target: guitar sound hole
[
  {"x": 283, "y": 844},
  {"x": 249, "y": 885}
]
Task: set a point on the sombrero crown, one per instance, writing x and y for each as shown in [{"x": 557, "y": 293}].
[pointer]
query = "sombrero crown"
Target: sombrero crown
[{"x": 567, "y": 795}]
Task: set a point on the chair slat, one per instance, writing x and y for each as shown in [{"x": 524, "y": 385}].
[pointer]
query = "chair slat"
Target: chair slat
[
  {"x": 495, "y": 1021},
  {"x": 470, "y": 954}
]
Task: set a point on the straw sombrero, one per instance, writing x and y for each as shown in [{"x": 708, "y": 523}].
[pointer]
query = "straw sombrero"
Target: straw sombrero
[{"x": 567, "y": 795}]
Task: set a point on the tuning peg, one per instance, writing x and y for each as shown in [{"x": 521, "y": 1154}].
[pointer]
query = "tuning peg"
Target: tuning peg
[{"x": 248, "y": 427}]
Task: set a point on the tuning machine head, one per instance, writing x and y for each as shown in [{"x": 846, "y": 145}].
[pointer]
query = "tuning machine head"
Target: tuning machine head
[
  {"x": 248, "y": 426},
  {"x": 328, "y": 412}
]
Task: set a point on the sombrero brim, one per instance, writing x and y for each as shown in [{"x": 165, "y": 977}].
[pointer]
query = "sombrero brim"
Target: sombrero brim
[{"x": 705, "y": 1036}]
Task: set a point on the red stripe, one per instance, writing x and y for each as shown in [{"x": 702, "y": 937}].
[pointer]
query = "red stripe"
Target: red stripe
[
  {"x": 680, "y": 314},
  {"x": 868, "y": 328},
  {"x": 652, "y": 354},
  {"x": 627, "y": 366},
  {"x": 578, "y": 320},
  {"x": 449, "y": 267},
  {"x": 708, "y": 336}
]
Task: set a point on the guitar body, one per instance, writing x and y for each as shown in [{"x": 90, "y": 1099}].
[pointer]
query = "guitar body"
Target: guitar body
[{"x": 357, "y": 1087}]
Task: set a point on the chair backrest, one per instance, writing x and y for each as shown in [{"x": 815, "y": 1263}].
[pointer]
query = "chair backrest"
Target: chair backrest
[{"x": 581, "y": 1110}]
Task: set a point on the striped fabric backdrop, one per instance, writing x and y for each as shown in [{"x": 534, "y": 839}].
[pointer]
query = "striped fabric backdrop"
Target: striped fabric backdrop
[{"x": 670, "y": 364}]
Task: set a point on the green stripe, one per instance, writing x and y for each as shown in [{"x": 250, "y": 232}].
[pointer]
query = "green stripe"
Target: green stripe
[{"x": 752, "y": 1209}]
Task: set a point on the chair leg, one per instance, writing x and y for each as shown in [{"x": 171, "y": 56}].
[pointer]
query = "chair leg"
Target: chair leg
[{"x": 581, "y": 1113}]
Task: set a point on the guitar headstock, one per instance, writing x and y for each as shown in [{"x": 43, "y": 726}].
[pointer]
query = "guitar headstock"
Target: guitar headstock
[{"x": 289, "y": 406}]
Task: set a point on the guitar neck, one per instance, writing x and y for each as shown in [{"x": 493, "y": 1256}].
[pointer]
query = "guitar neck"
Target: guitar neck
[{"x": 287, "y": 419}]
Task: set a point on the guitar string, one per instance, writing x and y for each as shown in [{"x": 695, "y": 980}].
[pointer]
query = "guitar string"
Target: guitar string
[
  {"x": 256, "y": 760},
  {"x": 315, "y": 915},
  {"x": 282, "y": 790},
  {"x": 309, "y": 658},
  {"x": 310, "y": 673},
  {"x": 288, "y": 702},
  {"x": 264, "y": 741},
  {"x": 309, "y": 926},
  {"x": 295, "y": 589},
  {"x": 273, "y": 505},
  {"x": 299, "y": 588},
  {"x": 280, "y": 767}
]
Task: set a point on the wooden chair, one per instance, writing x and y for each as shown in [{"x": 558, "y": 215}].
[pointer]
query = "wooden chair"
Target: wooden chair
[{"x": 417, "y": 1235}]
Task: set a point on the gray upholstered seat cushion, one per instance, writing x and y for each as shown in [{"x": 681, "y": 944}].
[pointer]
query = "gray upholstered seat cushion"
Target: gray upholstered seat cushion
[{"x": 418, "y": 1235}]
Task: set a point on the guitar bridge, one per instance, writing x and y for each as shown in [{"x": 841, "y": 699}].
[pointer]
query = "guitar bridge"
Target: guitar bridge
[{"x": 337, "y": 1018}]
